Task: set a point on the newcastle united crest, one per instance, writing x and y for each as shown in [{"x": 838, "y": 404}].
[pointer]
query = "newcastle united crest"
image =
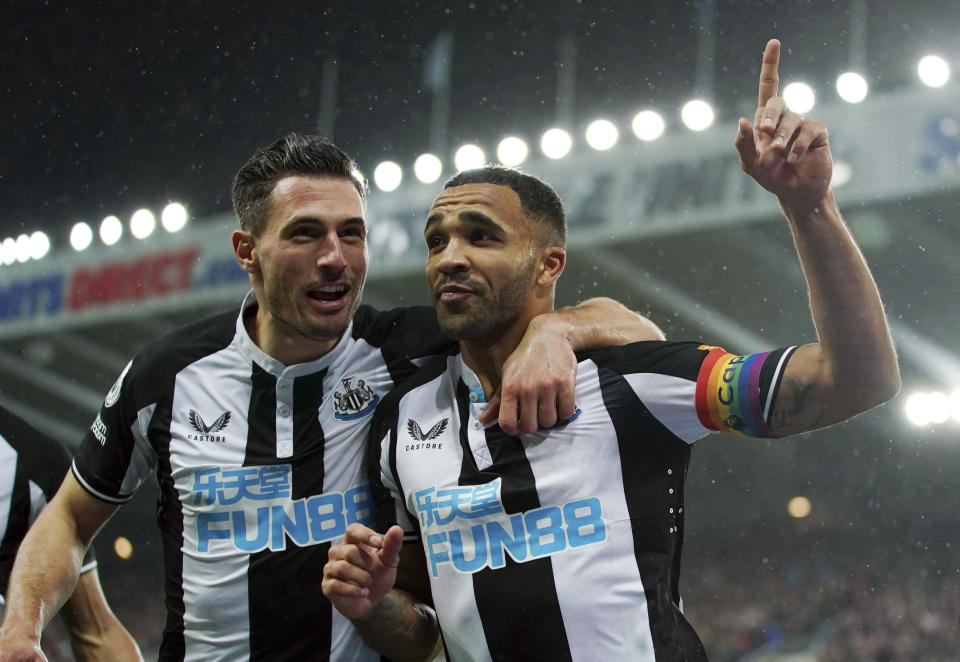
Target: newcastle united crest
[{"x": 354, "y": 401}]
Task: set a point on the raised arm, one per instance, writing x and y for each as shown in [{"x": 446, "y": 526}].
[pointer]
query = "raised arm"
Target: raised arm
[
  {"x": 359, "y": 580},
  {"x": 853, "y": 366},
  {"x": 47, "y": 567},
  {"x": 540, "y": 376}
]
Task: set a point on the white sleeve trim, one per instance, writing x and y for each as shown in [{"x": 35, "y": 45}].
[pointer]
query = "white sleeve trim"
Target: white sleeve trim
[{"x": 89, "y": 488}]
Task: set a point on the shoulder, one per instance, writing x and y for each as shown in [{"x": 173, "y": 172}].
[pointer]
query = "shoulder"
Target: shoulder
[
  {"x": 389, "y": 408},
  {"x": 677, "y": 358},
  {"x": 155, "y": 366},
  {"x": 410, "y": 330}
]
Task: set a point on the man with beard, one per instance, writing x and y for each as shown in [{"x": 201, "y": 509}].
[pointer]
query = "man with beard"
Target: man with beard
[
  {"x": 256, "y": 424},
  {"x": 565, "y": 543}
]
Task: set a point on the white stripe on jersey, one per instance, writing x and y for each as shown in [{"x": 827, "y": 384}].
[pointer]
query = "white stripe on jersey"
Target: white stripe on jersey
[{"x": 668, "y": 398}]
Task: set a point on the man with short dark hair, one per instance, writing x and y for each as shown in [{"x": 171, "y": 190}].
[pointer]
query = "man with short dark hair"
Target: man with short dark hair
[
  {"x": 256, "y": 421},
  {"x": 564, "y": 544}
]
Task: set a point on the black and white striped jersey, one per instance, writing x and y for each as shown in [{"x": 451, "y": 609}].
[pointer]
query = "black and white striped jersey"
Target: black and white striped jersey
[
  {"x": 564, "y": 544},
  {"x": 260, "y": 467},
  {"x": 32, "y": 466}
]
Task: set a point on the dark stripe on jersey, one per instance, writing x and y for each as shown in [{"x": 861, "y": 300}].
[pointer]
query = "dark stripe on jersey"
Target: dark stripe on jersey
[
  {"x": 170, "y": 519},
  {"x": 531, "y": 626},
  {"x": 17, "y": 523},
  {"x": 280, "y": 579},
  {"x": 653, "y": 466}
]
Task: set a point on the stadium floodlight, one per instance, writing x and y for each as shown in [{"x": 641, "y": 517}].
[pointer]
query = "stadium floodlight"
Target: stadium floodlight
[
  {"x": 925, "y": 408},
  {"x": 696, "y": 114},
  {"x": 852, "y": 87},
  {"x": 602, "y": 135},
  {"x": 933, "y": 70},
  {"x": 111, "y": 229},
  {"x": 142, "y": 223},
  {"x": 939, "y": 406},
  {"x": 799, "y": 507},
  {"x": 842, "y": 174},
  {"x": 648, "y": 125},
  {"x": 174, "y": 217},
  {"x": 512, "y": 151},
  {"x": 556, "y": 143},
  {"x": 8, "y": 251},
  {"x": 468, "y": 157},
  {"x": 799, "y": 97},
  {"x": 387, "y": 176},
  {"x": 427, "y": 168},
  {"x": 24, "y": 248},
  {"x": 39, "y": 245},
  {"x": 955, "y": 405},
  {"x": 80, "y": 236}
]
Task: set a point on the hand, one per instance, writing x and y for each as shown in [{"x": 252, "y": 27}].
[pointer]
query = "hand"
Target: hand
[
  {"x": 25, "y": 650},
  {"x": 361, "y": 569},
  {"x": 786, "y": 153},
  {"x": 537, "y": 384}
]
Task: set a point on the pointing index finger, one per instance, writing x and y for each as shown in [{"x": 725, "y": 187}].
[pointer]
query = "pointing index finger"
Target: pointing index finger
[{"x": 769, "y": 80}]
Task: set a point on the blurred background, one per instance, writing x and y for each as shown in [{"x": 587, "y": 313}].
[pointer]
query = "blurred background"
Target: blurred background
[{"x": 123, "y": 125}]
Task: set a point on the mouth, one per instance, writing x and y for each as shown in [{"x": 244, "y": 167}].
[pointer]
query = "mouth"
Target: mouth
[
  {"x": 452, "y": 292},
  {"x": 331, "y": 293}
]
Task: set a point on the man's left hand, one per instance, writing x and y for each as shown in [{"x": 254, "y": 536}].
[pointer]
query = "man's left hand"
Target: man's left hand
[{"x": 786, "y": 153}]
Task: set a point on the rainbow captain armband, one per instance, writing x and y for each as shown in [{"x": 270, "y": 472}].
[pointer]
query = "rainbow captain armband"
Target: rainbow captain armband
[{"x": 736, "y": 393}]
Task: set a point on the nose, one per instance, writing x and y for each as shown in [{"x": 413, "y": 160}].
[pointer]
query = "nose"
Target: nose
[
  {"x": 453, "y": 257},
  {"x": 330, "y": 254}
]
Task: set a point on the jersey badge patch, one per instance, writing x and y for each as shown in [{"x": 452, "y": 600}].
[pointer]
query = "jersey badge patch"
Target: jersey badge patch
[
  {"x": 208, "y": 432},
  {"x": 114, "y": 393},
  {"x": 413, "y": 428},
  {"x": 353, "y": 402}
]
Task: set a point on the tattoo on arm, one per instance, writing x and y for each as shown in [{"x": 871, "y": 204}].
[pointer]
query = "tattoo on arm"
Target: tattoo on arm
[{"x": 798, "y": 416}]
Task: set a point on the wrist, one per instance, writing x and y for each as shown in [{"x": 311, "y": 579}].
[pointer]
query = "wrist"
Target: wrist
[
  {"x": 552, "y": 325},
  {"x": 797, "y": 209}
]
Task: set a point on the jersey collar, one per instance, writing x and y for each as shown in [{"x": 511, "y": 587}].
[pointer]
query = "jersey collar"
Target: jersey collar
[{"x": 251, "y": 352}]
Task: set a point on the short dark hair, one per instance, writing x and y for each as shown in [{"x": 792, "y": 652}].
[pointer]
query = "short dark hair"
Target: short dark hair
[
  {"x": 538, "y": 200},
  {"x": 293, "y": 154}
]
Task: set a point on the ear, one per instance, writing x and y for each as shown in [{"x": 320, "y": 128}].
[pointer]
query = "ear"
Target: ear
[
  {"x": 244, "y": 250},
  {"x": 552, "y": 261}
]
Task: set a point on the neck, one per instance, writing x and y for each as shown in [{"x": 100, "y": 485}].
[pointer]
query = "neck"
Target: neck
[
  {"x": 486, "y": 356},
  {"x": 280, "y": 341}
]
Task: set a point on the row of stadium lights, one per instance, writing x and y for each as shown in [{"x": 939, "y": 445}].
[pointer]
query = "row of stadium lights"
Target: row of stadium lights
[
  {"x": 142, "y": 225},
  {"x": 648, "y": 125},
  {"x": 602, "y": 134}
]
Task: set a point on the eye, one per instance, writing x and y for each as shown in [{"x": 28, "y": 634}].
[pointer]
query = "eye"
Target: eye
[
  {"x": 353, "y": 232},
  {"x": 480, "y": 236},
  {"x": 435, "y": 241}
]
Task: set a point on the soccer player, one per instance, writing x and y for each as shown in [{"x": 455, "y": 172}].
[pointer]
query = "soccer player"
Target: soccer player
[
  {"x": 565, "y": 543},
  {"x": 255, "y": 422},
  {"x": 31, "y": 467}
]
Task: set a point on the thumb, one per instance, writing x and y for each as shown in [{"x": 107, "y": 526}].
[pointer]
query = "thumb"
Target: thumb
[
  {"x": 492, "y": 412},
  {"x": 390, "y": 548}
]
